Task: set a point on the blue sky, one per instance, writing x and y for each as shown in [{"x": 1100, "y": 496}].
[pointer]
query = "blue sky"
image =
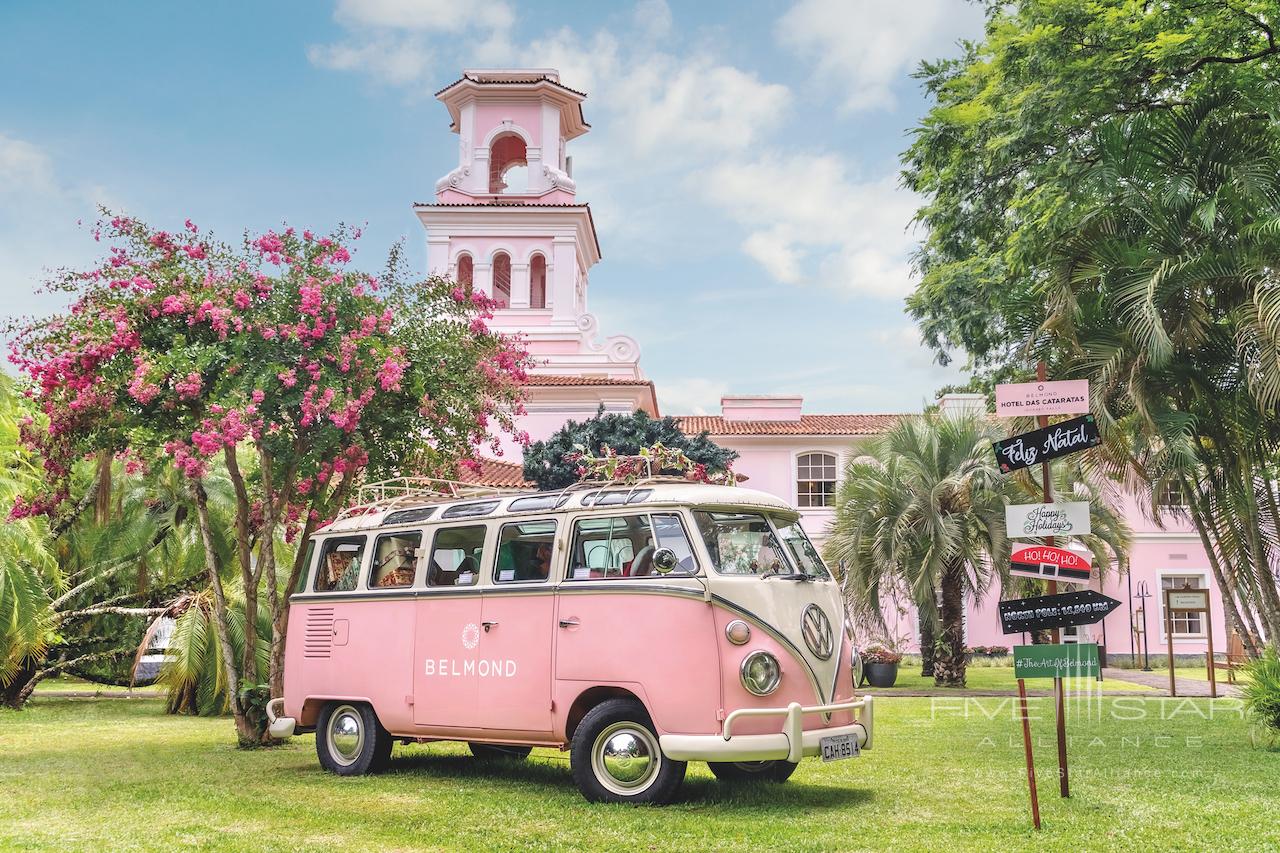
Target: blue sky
[{"x": 742, "y": 165}]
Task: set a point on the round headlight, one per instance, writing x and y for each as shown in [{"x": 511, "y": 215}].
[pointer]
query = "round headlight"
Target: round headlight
[
  {"x": 738, "y": 632},
  {"x": 855, "y": 665},
  {"x": 761, "y": 673}
]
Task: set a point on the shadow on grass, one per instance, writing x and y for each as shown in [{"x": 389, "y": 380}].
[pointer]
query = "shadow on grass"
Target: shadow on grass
[{"x": 553, "y": 772}]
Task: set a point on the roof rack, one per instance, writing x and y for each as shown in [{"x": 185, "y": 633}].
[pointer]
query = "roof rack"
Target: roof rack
[{"x": 386, "y": 495}]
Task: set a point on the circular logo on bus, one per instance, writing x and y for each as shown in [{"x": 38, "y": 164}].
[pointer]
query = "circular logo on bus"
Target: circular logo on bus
[
  {"x": 471, "y": 635},
  {"x": 817, "y": 631}
]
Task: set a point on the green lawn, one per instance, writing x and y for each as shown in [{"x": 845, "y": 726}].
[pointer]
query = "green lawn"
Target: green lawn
[
  {"x": 1001, "y": 678},
  {"x": 945, "y": 774}
]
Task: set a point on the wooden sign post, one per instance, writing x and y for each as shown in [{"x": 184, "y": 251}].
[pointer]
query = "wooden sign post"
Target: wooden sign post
[{"x": 1189, "y": 600}]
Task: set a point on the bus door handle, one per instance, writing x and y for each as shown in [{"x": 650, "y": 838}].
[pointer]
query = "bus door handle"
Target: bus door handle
[
  {"x": 488, "y": 625},
  {"x": 569, "y": 623}
]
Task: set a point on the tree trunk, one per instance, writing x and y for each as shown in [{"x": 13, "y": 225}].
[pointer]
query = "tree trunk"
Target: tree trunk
[
  {"x": 928, "y": 637},
  {"x": 102, "y": 492},
  {"x": 1225, "y": 586},
  {"x": 950, "y": 662},
  {"x": 244, "y": 730},
  {"x": 16, "y": 693}
]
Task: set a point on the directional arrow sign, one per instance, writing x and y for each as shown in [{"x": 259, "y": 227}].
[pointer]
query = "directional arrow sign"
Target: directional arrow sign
[
  {"x": 1086, "y": 607},
  {"x": 1055, "y": 564}
]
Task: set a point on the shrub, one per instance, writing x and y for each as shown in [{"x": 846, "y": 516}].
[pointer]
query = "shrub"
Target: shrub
[
  {"x": 879, "y": 654},
  {"x": 1262, "y": 689}
]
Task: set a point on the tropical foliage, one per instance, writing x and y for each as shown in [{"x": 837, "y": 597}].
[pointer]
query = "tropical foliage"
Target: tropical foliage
[
  {"x": 1127, "y": 232},
  {"x": 295, "y": 373},
  {"x": 921, "y": 515},
  {"x": 557, "y": 462},
  {"x": 1261, "y": 690}
]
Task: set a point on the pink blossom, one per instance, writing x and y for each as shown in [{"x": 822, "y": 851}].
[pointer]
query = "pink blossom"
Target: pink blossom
[
  {"x": 188, "y": 387},
  {"x": 241, "y": 300}
]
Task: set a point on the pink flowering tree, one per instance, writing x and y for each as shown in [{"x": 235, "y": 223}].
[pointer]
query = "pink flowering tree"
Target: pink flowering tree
[{"x": 277, "y": 361}]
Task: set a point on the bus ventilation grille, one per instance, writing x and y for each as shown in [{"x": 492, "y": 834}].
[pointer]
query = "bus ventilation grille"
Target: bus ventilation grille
[{"x": 318, "y": 642}]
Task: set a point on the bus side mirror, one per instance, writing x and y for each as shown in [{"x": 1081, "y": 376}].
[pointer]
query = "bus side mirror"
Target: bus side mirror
[{"x": 665, "y": 561}]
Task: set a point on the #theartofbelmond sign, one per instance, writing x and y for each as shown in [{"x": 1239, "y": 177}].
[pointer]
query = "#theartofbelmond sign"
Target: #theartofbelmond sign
[
  {"x": 1032, "y": 521},
  {"x": 1066, "y": 397},
  {"x": 1049, "y": 563},
  {"x": 1023, "y": 615},
  {"x": 1047, "y": 443},
  {"x": 1062, "y": 660}
]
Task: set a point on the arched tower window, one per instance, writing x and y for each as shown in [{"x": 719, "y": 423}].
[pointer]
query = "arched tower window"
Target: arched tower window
[
  {"x": 506, "y": 153},
  {"x": 502, "y": 279},
  {"x": 816, "y": 480},
  {"x": 466, "y": 272},
  {"x": 538, "y": 282}
]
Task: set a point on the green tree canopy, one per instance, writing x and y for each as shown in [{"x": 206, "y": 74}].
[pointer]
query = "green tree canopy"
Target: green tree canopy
[{"x": 545, "y": 462}]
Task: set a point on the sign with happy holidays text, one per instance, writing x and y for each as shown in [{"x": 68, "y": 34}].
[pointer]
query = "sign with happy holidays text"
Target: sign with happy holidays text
[{"x": 1048, "y": 443}]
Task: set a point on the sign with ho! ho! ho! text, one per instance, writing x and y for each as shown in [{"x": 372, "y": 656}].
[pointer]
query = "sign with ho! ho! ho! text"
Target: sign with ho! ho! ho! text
[
  {"x": 1047, "y": 443},
  {"x": 1065, "y": 397},
  {"x": 1032, "y": 521},
  {"x": 1066, "y": 610},
  {"x": 1063, "y": 660},
  {"x": 1049, "y": 563}
]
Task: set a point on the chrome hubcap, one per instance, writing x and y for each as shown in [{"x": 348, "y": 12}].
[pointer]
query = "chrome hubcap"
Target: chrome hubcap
[
  {"x": 346, "y": 734},
  {"x": 626, "y": 758}
]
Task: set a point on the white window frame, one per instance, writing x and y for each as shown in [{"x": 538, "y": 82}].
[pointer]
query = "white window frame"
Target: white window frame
[
  {"x": 1161, "y": 574},
  {"x": 796, "y": 479}
]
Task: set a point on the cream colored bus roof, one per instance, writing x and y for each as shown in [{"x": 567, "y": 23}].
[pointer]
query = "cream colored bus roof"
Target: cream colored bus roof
[{"x": 660, "y": 491}]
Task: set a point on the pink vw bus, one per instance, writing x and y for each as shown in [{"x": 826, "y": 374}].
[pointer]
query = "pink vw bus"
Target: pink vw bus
[{"x": 638, "y": 627}]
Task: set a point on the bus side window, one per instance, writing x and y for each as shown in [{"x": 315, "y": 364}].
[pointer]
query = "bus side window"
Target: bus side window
[
  {"x": 395, "y": 560},
  {"x": 456, "y": 555},
  {"x": 301, "y": 585},
  {"x": 339, "y": 568}
]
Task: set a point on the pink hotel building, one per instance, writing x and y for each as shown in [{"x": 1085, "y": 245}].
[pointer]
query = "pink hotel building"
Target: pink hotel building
[{"x": 508, "y": 220}]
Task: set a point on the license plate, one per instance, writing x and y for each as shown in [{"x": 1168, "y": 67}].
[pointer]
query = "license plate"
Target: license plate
[{"x": 837, "y": 747}]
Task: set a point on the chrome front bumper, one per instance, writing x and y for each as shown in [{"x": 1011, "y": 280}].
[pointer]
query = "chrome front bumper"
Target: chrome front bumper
[
  {"x": 279, "y": 726},
  {"x": 792, "y": 743}
]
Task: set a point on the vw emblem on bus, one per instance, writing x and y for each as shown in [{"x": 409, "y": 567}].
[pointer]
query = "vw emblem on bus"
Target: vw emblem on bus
[{"x": 817, "y": 631}]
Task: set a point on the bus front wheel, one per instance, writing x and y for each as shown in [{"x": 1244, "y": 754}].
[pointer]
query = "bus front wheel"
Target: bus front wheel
[{"x": 350, "y": 741}]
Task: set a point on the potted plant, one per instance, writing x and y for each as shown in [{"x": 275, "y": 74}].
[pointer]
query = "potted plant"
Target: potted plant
[{"x": 880, "y": 665}]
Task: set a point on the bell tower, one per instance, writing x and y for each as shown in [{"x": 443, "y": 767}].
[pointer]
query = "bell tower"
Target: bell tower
[{"x": 506, "y": 219}]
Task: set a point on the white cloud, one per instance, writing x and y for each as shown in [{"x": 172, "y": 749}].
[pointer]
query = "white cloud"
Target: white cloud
[
  {"x": 23, "y": 167},
  {"x": 425, "y": 15},
  {"x": 389, "y": 39},
  {"x": 38, "y": 230},
  {"x": 690, "y": 395},
  {"x": 395, "y": 61},
  {"x": 864, "y": 47},
  {"x": 812, "y": 223},
  {"x": 653, "y": 17}
]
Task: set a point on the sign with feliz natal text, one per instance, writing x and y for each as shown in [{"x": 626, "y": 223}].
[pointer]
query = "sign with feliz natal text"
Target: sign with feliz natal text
[
  {"x": 1048, "y": 443},
  {"x": 1049, "y": 563},
  {"x": 1032, "y": 521},
  {"x": 1066, "y": 397}
]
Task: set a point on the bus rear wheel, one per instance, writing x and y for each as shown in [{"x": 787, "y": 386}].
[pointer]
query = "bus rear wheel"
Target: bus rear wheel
[
  {"x": 745, "y": 771},
  {"x": 350, "y": 741}
]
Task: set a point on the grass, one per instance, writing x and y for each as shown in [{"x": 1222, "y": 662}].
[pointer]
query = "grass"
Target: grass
[
  {"x": 69, "y": 683},
  {"x": 945, "y": 774},
  {"x": 1001, "y": 678}
]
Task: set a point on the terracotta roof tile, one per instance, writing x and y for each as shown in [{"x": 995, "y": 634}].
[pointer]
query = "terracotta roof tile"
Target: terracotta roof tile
[
  {"x": 547, "y": 379},
  {"x": 513, "y": 203},
  {"x": 496, "y": 474},
  {"x": 514, "y": 82},
  {"x": 807, "y": 425}
]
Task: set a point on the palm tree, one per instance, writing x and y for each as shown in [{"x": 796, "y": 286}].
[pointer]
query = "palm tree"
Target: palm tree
[
  {"x": 1166, "y": 298},
  {"x": 923, "y": 513}
]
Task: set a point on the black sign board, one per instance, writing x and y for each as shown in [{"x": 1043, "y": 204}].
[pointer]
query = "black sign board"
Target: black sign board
[
  {"x": 1042, "y": 445},
  {"x": 1055, "y": 611}
]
